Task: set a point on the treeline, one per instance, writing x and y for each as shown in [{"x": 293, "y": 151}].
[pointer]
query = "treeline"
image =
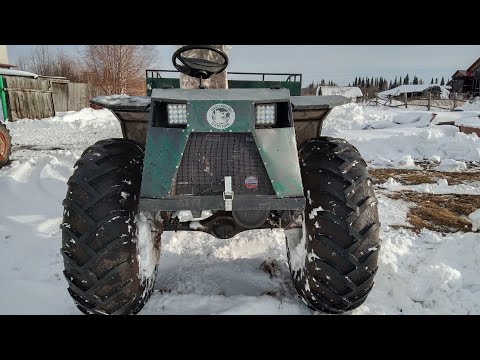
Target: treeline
[{"x": 381, "y": 84}]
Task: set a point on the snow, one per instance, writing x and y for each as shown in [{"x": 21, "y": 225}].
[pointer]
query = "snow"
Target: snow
[
  {"x": 399, "y": 90},
  {"x": 449, "y": 165},
  {"x": 186, "y": 215},
  {"x": 475, "y": 219},
  {"x": 351, "y": 92},
  {"x": 441, "y": 187},
  {"x": 147, "y": 254},
  {"x": 424, "y": 273},
  {"x": 10, "y": 72}
]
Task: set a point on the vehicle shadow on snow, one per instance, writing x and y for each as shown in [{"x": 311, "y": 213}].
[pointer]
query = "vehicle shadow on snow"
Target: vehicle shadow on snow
[{"x": 199, "y": 274}]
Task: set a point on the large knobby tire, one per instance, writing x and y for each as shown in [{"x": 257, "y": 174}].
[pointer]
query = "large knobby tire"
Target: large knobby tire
[
  {"x": 334, "y": 264},
  {"x": 5, "y": 145},
  {"x": 99, "y": 242}
]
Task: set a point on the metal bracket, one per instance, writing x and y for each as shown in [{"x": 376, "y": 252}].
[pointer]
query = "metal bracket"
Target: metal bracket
[{"x": 228, "y": 193}]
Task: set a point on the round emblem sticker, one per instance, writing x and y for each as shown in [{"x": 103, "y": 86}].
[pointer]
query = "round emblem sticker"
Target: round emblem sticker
[
  {"x": 251, "y": 182},
  {"x": 220, "y": 116}
]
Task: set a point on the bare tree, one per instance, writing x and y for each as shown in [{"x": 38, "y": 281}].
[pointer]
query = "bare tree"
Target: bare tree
[
  {"x": 43, "y": 61},
  {"x": 117, "y": 69}
]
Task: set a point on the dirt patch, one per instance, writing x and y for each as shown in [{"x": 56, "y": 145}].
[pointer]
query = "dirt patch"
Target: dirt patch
[
  {"x": 442, "y": 213},
  {"x": 412, "y": 177}
]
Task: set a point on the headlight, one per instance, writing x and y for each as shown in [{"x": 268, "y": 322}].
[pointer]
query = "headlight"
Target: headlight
[
  {"x": 266, "y": 114},
  {"x": 177, "y": 114}
]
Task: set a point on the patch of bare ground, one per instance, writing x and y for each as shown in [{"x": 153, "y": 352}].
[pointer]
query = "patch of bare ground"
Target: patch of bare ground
[
  {"x": 443, "y": 213},
  {"x": 412, "y": 177}
]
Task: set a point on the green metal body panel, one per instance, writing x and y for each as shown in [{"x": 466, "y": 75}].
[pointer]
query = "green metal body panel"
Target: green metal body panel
[
  {"x": 294, "y": 87},
  {"x": 3, "y": 100},
  {"x": 165, "y": 146},
  {"x": 278, "y": 149},
  {"x": 197, "y": 116},
  {"x": 159, "y": 83},
  {"x": 164, "y": 150}
]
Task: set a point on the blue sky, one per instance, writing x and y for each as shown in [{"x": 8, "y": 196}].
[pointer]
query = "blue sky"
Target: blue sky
[{"x": 340, "y": 63}]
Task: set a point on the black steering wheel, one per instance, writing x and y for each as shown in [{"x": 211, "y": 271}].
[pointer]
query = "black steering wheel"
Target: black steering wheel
[{"x": 197, "y": 67}]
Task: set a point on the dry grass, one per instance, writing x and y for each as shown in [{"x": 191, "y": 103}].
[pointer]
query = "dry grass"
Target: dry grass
[
  {"x": 411, "y": 177},
  {"x": 443, "y": 213}
]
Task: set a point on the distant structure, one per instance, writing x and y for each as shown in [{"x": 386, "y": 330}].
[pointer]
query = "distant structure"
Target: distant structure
[
  {"x": 467, "y": 81},
  {"x": 4, "y": 58},
  {"x": 417, "y": 91},
  {"x": 351, "y": 92}
]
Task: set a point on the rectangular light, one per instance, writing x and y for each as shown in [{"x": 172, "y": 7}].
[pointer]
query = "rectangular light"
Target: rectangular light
[
  {"x": 266, "y": 114},
  {"x": 177, "y": 114}
]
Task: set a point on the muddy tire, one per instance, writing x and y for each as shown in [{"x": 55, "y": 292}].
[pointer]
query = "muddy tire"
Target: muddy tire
[
  {"x": 99, "y": 243},
  {"x": 5, "y": 145},
  {"x": 334, "y": 264}
]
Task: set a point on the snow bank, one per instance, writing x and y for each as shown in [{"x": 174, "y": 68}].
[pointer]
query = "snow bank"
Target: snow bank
[
  {"x": 450, "y": 165},
  {"x": 427, "y": 273},
  {"x": 389, "y": 146},
  {"x": 441, "y": 187},
  {"x": 475, "y": 105},
  {"x": 354, "y": 116},
  {"x": 351, "y": 92},
  {"x": 475, "y": 219}
]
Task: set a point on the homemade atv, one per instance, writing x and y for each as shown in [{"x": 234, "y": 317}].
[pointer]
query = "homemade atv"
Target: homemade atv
[
  {"x": 5, "y": 144},
  {"x": 219, "y": 161}
]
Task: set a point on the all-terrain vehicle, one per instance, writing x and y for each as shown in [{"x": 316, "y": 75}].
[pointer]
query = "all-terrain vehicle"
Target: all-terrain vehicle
[
  {"x": 5, "y": 140},
  {"x": 220, "y": 161},
  {"x": 5, "y": 144}
]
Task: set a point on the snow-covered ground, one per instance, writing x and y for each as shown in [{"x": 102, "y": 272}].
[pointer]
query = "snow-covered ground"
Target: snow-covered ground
[{"x": 419, "y": 273}]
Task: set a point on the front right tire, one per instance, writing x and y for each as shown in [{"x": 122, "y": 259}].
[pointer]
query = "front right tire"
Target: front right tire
[{"x": 334, "y": 263}]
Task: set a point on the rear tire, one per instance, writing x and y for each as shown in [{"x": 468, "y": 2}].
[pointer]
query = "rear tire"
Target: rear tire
[
  {"x": 334, "y": 264},
  {"x": 99, "y": 242},
  {"x": 5, "y": 145}
]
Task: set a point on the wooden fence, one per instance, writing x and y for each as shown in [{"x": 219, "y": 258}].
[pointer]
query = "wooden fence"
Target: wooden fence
[
  {"x": 42, "y": 97},
  {"x": 428, "y": 102}
]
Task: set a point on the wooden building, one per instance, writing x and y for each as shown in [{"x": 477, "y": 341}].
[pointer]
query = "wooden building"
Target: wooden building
[{"x": 467, "y": 81}]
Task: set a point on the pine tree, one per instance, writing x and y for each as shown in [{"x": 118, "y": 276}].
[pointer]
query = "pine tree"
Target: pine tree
[
  {"x": 436, "y": 80},
  {"x": 400, "y": 82},
  {"x": 390, "y": 85},
  {"x": 415, "y": 80},
  {"x": 406, "y": 81},
  {"x": 442, "y": 82},
  {"x": 431, "y": 82},
  {"x": 322, "y": 83}
]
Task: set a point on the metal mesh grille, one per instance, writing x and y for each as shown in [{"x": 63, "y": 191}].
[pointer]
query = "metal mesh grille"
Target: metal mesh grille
[{"x": 208, "y": 158}]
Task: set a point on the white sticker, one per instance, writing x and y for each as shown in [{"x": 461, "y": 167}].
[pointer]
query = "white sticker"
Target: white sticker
[{"x": 220, "y": 116}]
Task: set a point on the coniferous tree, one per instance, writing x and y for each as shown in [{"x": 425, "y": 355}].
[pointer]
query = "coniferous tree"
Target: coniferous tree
[
  {"x": 431, "y": 82},
  {"x": 400, "y": 82},
  {"x": 406, "y": 81},
  {"x": 442, "y": 82},
  {"x": 436, "y": 80}
]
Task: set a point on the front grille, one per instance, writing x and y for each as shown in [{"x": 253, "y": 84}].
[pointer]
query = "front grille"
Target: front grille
[{"x": 208, "y": 158}]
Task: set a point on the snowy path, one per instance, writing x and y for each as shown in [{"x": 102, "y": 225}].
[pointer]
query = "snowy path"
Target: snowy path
[{"x": 426, "y": 273}]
